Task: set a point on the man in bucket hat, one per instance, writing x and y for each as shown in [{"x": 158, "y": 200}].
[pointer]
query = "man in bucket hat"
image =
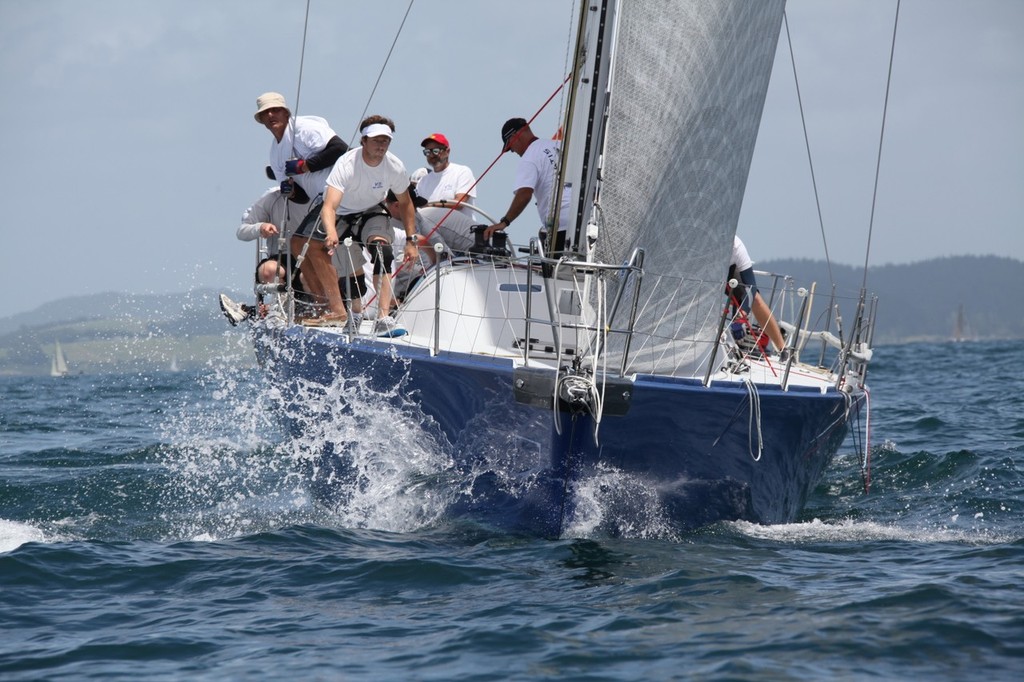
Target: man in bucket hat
[
  {"x": 304, "y": 151},
  {"x": 304, "y": 147}
]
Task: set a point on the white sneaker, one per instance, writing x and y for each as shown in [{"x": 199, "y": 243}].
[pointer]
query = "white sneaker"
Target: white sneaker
[
  {"x": 235, "y": 312},
  {"x": 384, "y": 325},
  {"x": 355, "y": 319}
]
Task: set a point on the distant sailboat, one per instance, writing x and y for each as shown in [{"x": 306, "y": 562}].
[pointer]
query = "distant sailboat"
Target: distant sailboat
[
  {"x": 58, "y": 364},
  {"x": 174, "y": 364},
  {"x": 961, "y": 330}
]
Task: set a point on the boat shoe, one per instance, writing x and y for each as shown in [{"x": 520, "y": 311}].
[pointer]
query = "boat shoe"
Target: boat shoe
[{"x": 329, "y": 320}]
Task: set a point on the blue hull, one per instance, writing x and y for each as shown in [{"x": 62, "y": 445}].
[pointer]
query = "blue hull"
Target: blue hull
[{"x": 689, "y": 453}]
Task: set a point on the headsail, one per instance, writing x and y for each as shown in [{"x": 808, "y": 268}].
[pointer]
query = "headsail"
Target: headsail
[{"x": 688, "y": 85}]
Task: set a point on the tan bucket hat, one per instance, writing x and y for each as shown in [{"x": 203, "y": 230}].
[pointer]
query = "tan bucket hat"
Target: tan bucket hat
[{"x": 269, "y": 100}]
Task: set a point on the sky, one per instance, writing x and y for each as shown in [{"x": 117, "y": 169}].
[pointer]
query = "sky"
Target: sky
[{"x": 130, "y": 150}]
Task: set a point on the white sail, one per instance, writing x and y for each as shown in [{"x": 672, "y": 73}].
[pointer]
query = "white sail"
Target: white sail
[
  {"x": 688, "y": 85},
  {"x": 58, "y": 364}
]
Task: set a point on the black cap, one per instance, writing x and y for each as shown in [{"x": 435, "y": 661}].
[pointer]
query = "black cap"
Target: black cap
[{"x": 511, "y": 127}]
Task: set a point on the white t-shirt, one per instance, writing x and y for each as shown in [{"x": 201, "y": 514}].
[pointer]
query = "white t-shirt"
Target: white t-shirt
[
  {"x": 740, "y": 257},
  {"x": 536, "y": 170},
  {"x": 310, "y": 134},
  {"x": 363, "y": 186},
  {"x": 455, "y": 179}
]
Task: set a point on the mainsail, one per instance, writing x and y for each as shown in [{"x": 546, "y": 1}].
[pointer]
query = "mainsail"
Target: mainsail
[{"x": 688, "y": 84}]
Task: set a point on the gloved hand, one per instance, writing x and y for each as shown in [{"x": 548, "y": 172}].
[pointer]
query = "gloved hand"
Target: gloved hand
[{"x": 294, "y": 167}]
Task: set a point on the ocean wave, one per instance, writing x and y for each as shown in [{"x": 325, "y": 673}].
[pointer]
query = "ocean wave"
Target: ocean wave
[
  {"x": 850, "y": 531},
  {"x": 14, "y": 534}
]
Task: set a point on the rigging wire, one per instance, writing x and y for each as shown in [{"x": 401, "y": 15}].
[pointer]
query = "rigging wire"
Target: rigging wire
[
  {"x": 287, "y": 247},
  {"x": 807, "y": 144},
  {"x": 384, "y": 66},
  {"x": 298, "y": 86},
  {"x": 881, "y": 137}
]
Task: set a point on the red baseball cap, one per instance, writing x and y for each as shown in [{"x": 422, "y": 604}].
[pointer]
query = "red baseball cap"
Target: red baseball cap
[{"x": 438, "y": 138}]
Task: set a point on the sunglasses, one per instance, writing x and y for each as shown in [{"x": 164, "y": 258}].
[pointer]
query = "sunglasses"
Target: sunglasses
[{"x": 436, "y": 151}]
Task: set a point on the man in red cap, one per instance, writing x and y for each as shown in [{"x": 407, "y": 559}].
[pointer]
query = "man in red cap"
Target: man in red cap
[
  {"x": 447, "y": 181},
  {"x": 445, "y": 184}
]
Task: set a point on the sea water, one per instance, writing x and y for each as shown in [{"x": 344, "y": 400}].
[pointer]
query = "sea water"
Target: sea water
[{"x": 160, "y": 526}]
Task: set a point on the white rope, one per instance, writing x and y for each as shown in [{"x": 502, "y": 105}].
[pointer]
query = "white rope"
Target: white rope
[
  {"x": 598, "y": 353},
  {"x": 754, "y": 420},
  {"x": 867, "y": 436}
]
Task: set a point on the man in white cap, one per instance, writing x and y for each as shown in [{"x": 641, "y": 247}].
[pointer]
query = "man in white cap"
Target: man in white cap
[{"x": 357, "y": 188}]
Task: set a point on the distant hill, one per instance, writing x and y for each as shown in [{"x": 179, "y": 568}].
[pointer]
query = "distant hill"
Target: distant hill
[
  {"x": 919, "y": 301},
  {"x": 113, "y": 332}
]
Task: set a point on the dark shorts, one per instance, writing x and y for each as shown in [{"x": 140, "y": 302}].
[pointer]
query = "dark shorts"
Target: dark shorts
[
  {"x": 746, "y": 287},
  {"x": 364, "y": 227},
  {"x": 311, "y": 226}
]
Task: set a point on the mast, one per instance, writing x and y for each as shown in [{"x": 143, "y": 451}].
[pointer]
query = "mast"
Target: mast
[{"x": 586, "y": 117}]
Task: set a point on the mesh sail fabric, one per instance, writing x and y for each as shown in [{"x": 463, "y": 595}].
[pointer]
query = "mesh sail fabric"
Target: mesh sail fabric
[{"x": 688, "y": 86}]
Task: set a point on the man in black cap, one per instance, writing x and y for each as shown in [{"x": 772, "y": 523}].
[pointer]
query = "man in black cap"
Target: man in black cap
[{"x": 535, "y": 177}]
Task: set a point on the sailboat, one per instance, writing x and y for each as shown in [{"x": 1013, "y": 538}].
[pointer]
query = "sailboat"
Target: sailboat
[
  {"x": 603, "y": 365},
  {"x": 58, "y": 363},
  {"x": 961, "y": 330}
]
